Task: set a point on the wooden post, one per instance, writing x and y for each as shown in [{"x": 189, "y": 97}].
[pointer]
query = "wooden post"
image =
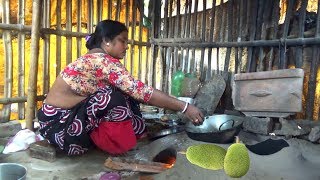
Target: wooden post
[
  {"x": 203, "y": 38},
  {"x": 32, "y": 87},
  {"x": 133, "y": 30}
]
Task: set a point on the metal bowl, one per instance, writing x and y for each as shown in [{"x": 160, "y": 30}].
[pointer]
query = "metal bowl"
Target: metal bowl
[{"x": 216, "y": 129}]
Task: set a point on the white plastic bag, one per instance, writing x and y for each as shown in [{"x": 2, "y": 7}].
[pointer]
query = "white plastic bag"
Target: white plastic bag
[{"x": 21, "y": 141}]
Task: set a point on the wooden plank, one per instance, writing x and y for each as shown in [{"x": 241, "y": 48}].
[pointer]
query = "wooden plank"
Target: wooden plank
[
  {"x": 32, "y": 86},
  {"x": 21, "y": 59},
  {"x": 90, "y": 16},
  {"x": 46, "y": 21},
  {"x": 140, "y": 67},
  {"x": 263, "y": 35},
  {"x": 7, "y": 42}
]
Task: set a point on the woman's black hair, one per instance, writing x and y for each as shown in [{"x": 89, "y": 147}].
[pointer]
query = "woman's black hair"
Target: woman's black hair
[{"x": 107, "y": 30}]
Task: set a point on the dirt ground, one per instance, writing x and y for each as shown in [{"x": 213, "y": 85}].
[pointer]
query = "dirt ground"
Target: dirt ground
[{"x": 299, "y": 161}]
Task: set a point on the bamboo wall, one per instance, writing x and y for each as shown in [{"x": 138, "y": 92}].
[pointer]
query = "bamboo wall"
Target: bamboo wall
[
  {"x": 235, "y": 36},
  {"x": 202, "y": 36},
  {"x": 62, "y": 25}
]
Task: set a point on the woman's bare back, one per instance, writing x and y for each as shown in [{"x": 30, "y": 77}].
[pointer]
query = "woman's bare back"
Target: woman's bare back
[{"x": 61, "y": 95}]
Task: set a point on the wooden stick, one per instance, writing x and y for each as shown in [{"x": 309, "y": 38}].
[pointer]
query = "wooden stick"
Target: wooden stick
[
  {"x": 275, "y": 20},
  {"x": 135, "y": 165},
  {"x": 203, "y": 36}
]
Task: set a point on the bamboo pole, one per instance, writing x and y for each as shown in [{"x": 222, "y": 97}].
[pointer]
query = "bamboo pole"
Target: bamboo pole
[
  {"x": 176, "y": 62},
  {"x": 21, "y": 58},
  {"x": 313, "y": 72},
  {"x": 302, "y": 17},
  {"x": 110, "y": 9},
  {"x": 238, "y": 54},
  {"x": 119, "y": 10},
  {"x": 46, "y": 20},
  {"x": 21, "y": 99},
  {"x": 213, "y": 15},
  {"x": 133, "y": 26},
  {"x": 127, "y": 25},
  {"x": 275, "y": 19},
  {"x": 252, "y": 26},
  {"x": 58, "y": 38},
  {"x": 155, "y": 34},
  {"x": 69, "y": 28},
  {"x": 283, "y": 60},
  {"x": 90, "y": 16},
  {"x": 99, "y": 10},
  {"x": 188, "y": 35},
  {"x": 229, "y": 34},
  {"x": 79, "y": 22},
  {"x": 6, "y": 111},
  {"x": 203, "y": 37},
  {"x": 263, "y": 35},
  {"x": 194, "y": 35},
  {"x": 182, "y": 35},
  {"x": 32, "y": 87},
  {"x": 254, "y": 43},
  {"x": 140, "y": 39}
]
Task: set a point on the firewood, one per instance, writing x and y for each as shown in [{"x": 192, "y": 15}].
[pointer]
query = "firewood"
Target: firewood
[{"x": 136, "y": 165}]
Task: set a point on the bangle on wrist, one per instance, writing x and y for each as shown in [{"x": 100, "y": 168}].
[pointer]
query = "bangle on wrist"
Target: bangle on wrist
[{"x": 185, "y": 108}]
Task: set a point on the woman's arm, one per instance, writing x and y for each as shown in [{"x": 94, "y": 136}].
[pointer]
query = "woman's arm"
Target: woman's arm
[{"x": 161, "y": 99}]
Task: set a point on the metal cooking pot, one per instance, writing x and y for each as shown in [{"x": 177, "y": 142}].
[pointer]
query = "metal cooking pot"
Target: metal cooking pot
[{"x": 216, "y": 129}]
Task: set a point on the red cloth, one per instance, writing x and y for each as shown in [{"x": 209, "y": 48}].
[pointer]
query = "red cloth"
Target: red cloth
[{"x": 114, "y": 137}]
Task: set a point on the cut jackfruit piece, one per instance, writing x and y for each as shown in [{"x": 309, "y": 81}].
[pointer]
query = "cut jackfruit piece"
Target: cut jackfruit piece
[
  {"x": 237, "y": 161},
  {"x": 208, "y": 156}
]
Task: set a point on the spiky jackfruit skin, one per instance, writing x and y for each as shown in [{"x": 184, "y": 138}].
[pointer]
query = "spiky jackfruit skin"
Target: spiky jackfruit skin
[
  {"x": 237, "y": 161},
  {"x": 208, "y": 156}
]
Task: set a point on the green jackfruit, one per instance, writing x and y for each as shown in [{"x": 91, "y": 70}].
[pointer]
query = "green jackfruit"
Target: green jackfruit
[
  {"x": 237, "y": 161},
  {"x": 208, "y": 156}
]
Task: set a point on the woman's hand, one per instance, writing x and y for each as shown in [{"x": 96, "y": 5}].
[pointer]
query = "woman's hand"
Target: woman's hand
[{"x": 194, "y": 114}]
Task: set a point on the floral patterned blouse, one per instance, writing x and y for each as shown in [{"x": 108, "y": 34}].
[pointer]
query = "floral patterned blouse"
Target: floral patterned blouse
[{"x": 92, "y": 71}]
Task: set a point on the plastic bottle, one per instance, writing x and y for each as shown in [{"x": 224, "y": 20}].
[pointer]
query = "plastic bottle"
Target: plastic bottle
[{"x": 176, "y": 83}]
